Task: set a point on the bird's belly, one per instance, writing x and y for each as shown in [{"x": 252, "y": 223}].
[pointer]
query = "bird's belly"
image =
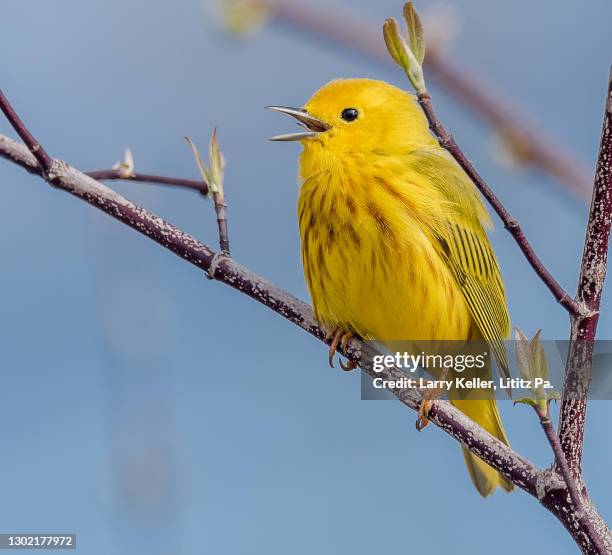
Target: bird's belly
[{"x": 386, "y": 295}]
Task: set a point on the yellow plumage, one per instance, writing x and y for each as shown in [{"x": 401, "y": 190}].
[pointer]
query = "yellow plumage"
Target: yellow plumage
[{"x": 393, "y": 234}]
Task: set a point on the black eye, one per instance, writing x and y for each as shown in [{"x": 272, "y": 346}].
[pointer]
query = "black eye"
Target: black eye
[{"x": 349, "y": 114}]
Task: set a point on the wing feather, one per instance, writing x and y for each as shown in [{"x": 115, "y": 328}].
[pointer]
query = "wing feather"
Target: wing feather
[
  {"x": 464, "y": 246},
  {"x": 474, "y": 267}
]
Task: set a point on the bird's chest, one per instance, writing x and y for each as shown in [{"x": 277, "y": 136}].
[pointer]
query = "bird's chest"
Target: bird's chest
[{"x": 371, "y": 269}]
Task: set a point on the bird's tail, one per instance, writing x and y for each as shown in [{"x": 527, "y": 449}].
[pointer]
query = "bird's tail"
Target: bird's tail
[{"x": 484, "y": 411}]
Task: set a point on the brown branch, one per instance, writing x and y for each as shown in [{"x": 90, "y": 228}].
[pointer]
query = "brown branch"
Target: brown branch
[
  {"x": 118, "y": 174},
  {"x": 447, "y": 142},
  {"x": 35, "y": 148},
  {"x": 570, "y": 481},
  {"x": 218, "y": 266},
  {"x": 516, "y": 469},
  {"x": 555, "y": 444},
  {"x": 590, "y": 285},
  {"x": 221, "y": 213},
  {"x": 530, "y": 145},
  {"x": 212, "y": 174}
]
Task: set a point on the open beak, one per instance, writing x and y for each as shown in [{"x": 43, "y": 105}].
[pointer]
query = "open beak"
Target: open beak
[{"x": 313, "y": 125}]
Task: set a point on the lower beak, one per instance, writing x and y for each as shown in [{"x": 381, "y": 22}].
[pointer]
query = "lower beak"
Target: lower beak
[{"x": 313, "y": 125}]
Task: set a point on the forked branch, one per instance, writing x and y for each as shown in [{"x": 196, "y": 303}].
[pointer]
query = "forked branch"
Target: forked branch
[{"x": 543, "y": 485}]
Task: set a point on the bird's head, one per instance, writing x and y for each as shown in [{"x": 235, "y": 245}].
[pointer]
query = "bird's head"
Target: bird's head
[{"x": 359, "y": 116}]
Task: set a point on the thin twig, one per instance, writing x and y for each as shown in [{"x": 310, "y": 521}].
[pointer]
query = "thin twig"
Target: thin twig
[
  {"x": 212, "y": 174},
  {"x": 221, "y": 213},
  {"x": 590, "y": 285},
  {"x": 117, "y": 174},
  {"x": 36, "y": 149},
  {"x": 568, "y": 478},
  {"x": 536, "y": 149},
  {"x": 511, "y": 224},
  {"x": 560, "y": 460}
]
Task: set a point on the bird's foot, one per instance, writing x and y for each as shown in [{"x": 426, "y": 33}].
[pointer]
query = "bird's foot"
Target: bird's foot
[
  {"x": 427, "y": 401},
  {"x": 339, "y": 337},
  {"x": 424, "y": 407}
]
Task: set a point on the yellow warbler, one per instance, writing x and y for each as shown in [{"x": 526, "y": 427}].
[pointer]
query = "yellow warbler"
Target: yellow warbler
[{"x": 393, "y": 233}]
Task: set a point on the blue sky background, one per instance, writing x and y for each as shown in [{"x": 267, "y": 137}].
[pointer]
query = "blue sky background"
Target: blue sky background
[{"x": 151, "y": 411}]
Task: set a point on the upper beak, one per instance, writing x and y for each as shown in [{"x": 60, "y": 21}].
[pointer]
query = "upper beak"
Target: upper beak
[{"x": 313, "y": 125}]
